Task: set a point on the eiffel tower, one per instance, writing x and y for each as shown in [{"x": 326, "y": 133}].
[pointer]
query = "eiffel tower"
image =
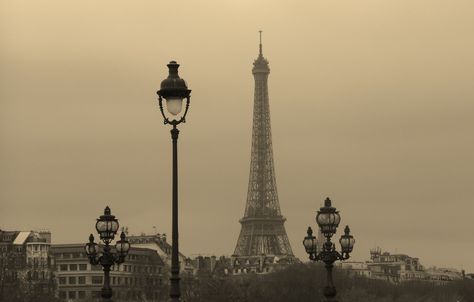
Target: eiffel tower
[{"x": 263, "y": 231}]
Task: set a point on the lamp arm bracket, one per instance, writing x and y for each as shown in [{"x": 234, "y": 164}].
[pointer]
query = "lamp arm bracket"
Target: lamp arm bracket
[
  {"x": 117, "y": 258},
  {"x": 342, "y": 256},
  {"x": 160, "y": 101}
]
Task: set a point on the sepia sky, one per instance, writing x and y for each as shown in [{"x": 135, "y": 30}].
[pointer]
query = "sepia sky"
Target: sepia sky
[{"x": 372, "y": 104}]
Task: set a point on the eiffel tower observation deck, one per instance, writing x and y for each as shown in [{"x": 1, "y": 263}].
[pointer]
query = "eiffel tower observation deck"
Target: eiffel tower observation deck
[{"x": 263, "y": 231}]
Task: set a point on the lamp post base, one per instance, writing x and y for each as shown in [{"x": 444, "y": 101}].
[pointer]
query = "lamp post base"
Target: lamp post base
[{"x": 330, "y": 293}]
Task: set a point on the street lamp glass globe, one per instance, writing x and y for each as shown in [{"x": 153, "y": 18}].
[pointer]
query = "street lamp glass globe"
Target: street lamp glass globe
[
  {"x": 107, "y": 226},
  {"x": 309, "y": 243},
  {"x": 91, "y": 247},
  {"x": 122, "y": 246},
  {"x": 114, "y": 226},
  {"x": 174, "y": 105},
  {"x": 337, "y": 219},
  {"x": 328, "y": 221},
  {"x": 347, "y": 241},
  {"x": 101, "y": 226}
]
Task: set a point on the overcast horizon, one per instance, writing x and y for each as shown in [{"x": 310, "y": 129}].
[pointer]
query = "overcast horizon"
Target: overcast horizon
[{"x": 371, "y": 104}]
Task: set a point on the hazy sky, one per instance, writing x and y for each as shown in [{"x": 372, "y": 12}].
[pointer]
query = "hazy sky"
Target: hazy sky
[{"x": 372, "y": 104}]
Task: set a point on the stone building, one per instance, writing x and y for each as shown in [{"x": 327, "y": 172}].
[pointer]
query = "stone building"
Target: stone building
[
  {"x": 25, "y": 260},
  {"x": 205, "y": 264},
  {"x": 139, "y": 277},
  {"x": 237, "y": 265},
  {"x": 355, "y": 268},
  {"x": 443, "y": 275},
  {"x": 159, "y": 243},
  {"x": 399, "y": 268},
  {"x": 262, "y": 264},
  {"x": 394, "y": 267}
]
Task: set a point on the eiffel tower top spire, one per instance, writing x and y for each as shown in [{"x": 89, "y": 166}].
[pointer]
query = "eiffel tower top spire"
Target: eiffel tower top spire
[{"x": 260, "y": 65}]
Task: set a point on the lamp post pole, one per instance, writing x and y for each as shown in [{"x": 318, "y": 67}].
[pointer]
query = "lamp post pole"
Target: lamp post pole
[
  {"x": 328, "y": 220},
  {"x": 174, "y": 89},
  {"x": 175, "y": 291}
]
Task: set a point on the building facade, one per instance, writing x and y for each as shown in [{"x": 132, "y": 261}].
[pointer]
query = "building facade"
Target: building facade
[
  {"x": 139, "y": 277},
  {"x": 25, "y": 261},
  {"x": 159, "y": 243},
  {"x": 234, "y": 266},
  {"x": 395, "y": 267},
  {"x": 399, "y": 268},
  {"x": 355, "y": 268}
]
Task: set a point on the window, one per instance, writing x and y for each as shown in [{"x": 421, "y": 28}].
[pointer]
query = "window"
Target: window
[
  {"x": 81, "y": 294},
  {"x": 72, "y": 280},
  {"x": 82, "y": 267},
  {"x": 62, "y": 295},
  {"x": 97, "y": 280},
  {"x": 96, "y": 294},
  {"x": 96, "y": 267},
  {"x": 81, "y": 280},
  {"x": 62, "y": 280},
  {"x": 63, "y": 267},
  {"x": 73, "y": 267},
  {"x": 72, "y": 295}
]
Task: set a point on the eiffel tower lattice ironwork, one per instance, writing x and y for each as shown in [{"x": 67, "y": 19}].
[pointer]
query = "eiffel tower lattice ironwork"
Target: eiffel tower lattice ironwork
[{"x": 263, "y": 230}]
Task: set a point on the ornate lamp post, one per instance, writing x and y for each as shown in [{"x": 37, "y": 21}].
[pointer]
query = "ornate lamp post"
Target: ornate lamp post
[
  {"x": 328, "y": 220},
  {"x": 107, "y": 227},
  {"x": 174, "y": 90}
]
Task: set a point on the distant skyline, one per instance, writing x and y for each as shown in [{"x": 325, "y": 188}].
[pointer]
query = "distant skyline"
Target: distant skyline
[{"x": 371, "y": 104}]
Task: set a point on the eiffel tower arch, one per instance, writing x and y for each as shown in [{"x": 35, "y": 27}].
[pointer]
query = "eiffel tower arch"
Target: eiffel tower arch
[{"x": 263, "y": 231}]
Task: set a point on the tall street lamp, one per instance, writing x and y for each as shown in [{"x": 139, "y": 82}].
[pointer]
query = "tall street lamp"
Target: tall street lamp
[
  {"x": 107, "y": 227},
  {"x": 328, "y": 220},
  {"x": 174, "y": 90}
]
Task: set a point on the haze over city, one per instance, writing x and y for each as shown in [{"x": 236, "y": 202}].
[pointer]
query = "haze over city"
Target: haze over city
[{"x": 371, "y": 105}]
